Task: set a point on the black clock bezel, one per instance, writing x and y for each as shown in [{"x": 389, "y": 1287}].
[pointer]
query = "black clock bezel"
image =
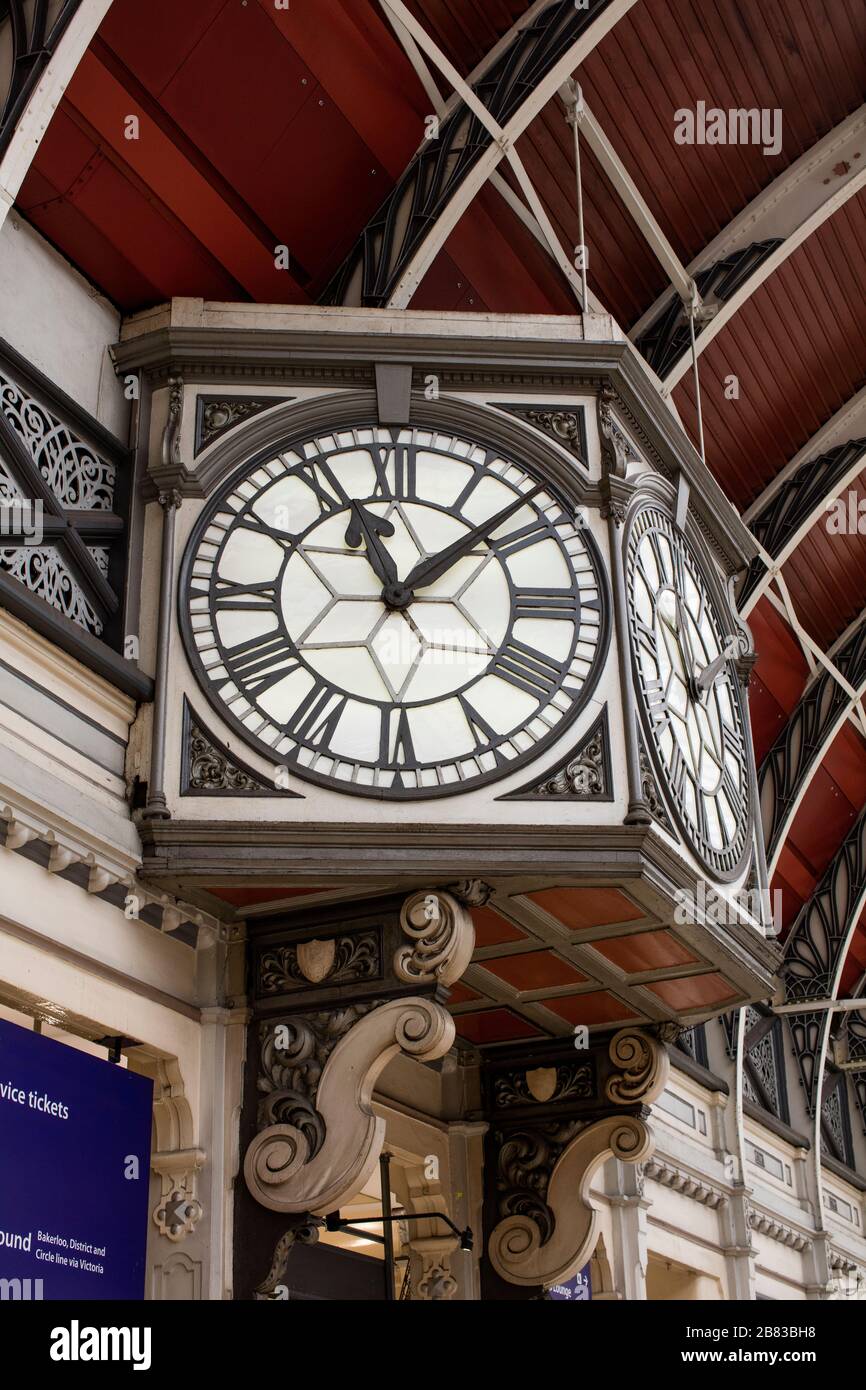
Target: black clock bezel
[
  {"x": 290, "y": 440},
  {"x": 709, "y": 859}
]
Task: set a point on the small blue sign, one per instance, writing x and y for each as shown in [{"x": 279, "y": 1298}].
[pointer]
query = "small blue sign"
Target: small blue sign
[
  {"x": 74, "y": 1172},
  {"x": 576, "y": 1289}
]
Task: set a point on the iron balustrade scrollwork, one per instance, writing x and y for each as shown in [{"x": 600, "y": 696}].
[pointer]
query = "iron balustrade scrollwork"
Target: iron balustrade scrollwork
[{"x": 64, "y": 489}]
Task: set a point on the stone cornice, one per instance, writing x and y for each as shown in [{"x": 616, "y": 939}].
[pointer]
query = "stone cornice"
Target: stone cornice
[{"x": 259, "y": 345}]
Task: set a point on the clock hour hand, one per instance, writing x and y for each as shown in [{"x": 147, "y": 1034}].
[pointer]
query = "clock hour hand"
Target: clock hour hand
[
  {"x": 685, "y": 644},
  {"x": 368, "y": 527},
  {"x": 434, "y": 566}
]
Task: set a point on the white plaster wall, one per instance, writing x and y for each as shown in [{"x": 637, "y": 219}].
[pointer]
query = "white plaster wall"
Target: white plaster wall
[{"x": 60, "y": 323}]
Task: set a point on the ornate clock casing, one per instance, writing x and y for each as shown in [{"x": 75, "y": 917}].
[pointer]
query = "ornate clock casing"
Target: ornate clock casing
[
  {"x": 394, "y": 612},
  {"x": 688, "y": 690}
]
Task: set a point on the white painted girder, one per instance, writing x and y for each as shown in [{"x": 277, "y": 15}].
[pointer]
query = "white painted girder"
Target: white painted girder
[
  {"x": 45, "y": 99},
  {"x": 794, "y": 206},
  {"x": 503, "y": 138}
]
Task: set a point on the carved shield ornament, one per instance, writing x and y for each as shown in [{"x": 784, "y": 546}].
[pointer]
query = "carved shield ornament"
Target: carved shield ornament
[
  {"x": 542, "y": 1083},
  {"x": 316, "y": 959}
]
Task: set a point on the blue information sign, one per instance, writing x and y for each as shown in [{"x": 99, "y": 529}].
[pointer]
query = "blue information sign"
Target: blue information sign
[
  {"x": 74, "y": 1169},
  {"x": 576, "y": 1289}
]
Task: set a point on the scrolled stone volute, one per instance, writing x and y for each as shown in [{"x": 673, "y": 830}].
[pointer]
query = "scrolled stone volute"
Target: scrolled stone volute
[
  {"x": 515, "y": 1247},
  {"x": 278, "y": 1168},
  {"x": 442, "y": 936},
  {"x": 643, "y": 1066}
]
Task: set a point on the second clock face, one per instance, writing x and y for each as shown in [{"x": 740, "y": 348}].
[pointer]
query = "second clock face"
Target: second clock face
[
  {"x": 688, "y": 688},
  {"x": 394, "y": 612}
]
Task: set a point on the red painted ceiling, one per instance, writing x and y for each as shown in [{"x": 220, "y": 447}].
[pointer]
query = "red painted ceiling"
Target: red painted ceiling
[{"x": 259, "y": 128}]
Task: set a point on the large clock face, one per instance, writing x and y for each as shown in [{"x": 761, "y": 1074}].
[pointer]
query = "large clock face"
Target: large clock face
[
  {"x": 688, "y": 687},
  {"x": 400, "y": 613}
]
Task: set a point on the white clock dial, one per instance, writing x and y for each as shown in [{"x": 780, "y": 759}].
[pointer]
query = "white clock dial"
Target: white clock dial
[
  {"x": 689, "y": 692},
  {"x": 394, "y": 612}
]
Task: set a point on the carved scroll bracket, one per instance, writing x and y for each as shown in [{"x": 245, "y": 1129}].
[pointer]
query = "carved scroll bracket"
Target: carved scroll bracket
[
  {"x": 281, "y": 1169},
  {"x": 516, "y": 1248},
  {"x": 642, "y": 1068},
  {"x": 545, "y": 1166},
  {"x": 442, "y": 936}
]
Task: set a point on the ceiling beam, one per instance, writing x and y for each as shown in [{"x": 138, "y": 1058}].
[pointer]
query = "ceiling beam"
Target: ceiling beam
[
  {"x": 410, "y": 229},
  {"x": 634, "y": 201},
  {"x": 503, "y": 138},
  {"x": 102, "y": 100}
]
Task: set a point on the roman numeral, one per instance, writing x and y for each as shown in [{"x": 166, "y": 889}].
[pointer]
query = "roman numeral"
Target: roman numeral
[
  {"x": 677, "y": 772},
  {"x": 645, "y": 635},
  {"x": 658, "y": 709},
  {"x": 396, "y": 749},
  {"x": 257, "y": 598},
  {"x": 402, "y": 460},
  {"x": 545, "y": 603},
  {"x": 485, "y": 736},
  {"x": 527, "y": 669},
  {"x": 733, "y": 792},
  {"x": 703, "y": 825},
  {"x": 512, "y": 541},
  {"x": 316, "y": 473},
  {"x": 315, "y": 720},
  {"x": 260, "y": 662},
  {"x": 251, "y": 521}
]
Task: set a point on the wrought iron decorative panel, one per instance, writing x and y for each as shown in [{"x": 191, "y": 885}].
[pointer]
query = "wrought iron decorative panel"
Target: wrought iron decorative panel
[
  {"x": 764, "y": 1069},
  {"x": 385, "y": 248},
  {"x": 835, "y": 1120},
  {"x": 669, "y": 336},
  {"x": 794, "y": 502},
  {"x": 35, "y": 35},
  {"x": 800, "y": 746},
  {"x": 63, "y": 494}
]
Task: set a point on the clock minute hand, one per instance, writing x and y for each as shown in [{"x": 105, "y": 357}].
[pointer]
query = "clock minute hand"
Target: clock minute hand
[
  {"x": 427, "y": 570},
  {"x": 705, "y": 679},
  {"x": 368, "y": 527}
]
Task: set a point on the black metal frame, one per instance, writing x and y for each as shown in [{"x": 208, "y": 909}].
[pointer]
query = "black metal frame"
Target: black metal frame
[
  {"x": 793, "y": 503},
  {"x": 668, "y": 337},
  {"x": 68, "y": 530},
  {"x": 789, "y": 764}
]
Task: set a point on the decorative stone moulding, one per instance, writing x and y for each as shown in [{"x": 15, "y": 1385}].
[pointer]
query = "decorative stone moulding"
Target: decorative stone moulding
[
  {"x": 177, "y": 1161},
  {"x": 99, "y": 871},
  {"x": 280, "y": 1169}
]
